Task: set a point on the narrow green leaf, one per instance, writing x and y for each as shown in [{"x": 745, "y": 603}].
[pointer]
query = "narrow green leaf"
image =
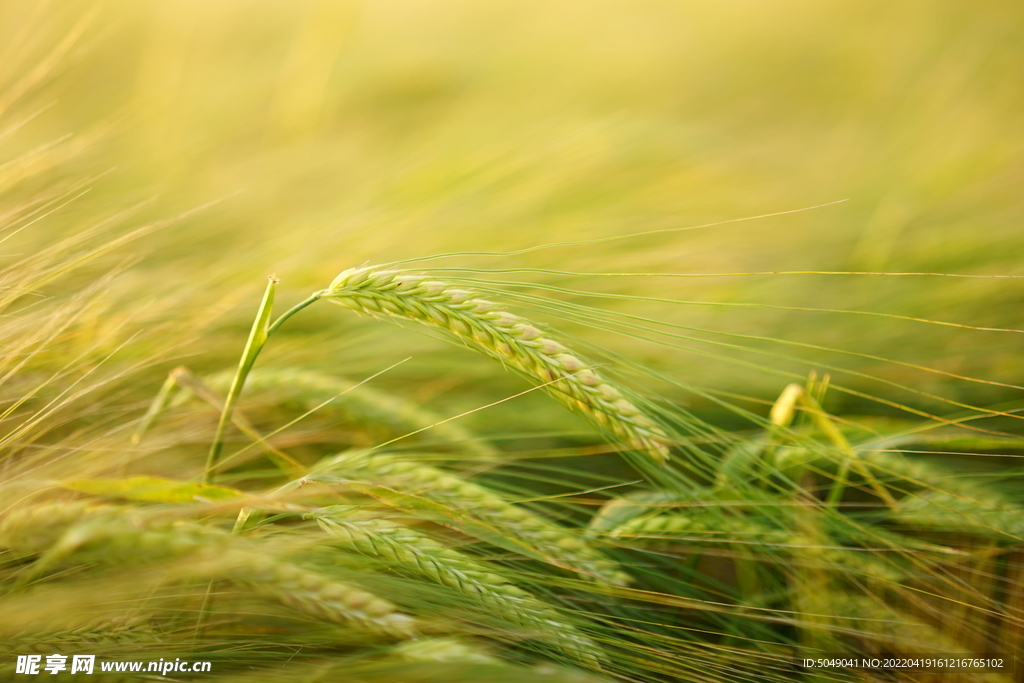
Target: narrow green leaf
[{"x": 257, "y": 338}]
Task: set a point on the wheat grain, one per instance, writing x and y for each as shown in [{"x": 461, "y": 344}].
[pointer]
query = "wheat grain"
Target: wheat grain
[
  {"x": 698, "y": 502},
  {"x": 443, "y": 650},
  {"x": 484, "y": 326},
  {"x": 703, "y": 528},
  {"x": 618, "y": 511}
]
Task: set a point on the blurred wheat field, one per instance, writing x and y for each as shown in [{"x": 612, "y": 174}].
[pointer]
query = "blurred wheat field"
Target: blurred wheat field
[{"x": 706, "y": 202}]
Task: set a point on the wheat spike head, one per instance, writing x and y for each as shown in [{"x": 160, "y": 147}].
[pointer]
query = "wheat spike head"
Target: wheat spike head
[{"x": 515, "y": 342}]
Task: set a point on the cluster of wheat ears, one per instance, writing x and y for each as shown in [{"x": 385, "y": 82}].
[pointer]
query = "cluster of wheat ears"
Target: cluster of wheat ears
[{"x": 383, "y": 563}]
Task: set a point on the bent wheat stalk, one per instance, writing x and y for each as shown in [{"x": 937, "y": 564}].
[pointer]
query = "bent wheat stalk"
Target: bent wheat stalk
[{"x": 484, "y": 326}]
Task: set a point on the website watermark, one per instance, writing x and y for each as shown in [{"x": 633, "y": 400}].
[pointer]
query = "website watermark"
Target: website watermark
[
  {"x": 982, "y": 663},
  {"x": 30, "y": 665}
]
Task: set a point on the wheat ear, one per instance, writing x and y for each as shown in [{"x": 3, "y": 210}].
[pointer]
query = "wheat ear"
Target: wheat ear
[
  {"x": 408, "y": 551},
  {"x": 905, "y": 473},
  {"x": 515, "y": 342},
  {"x": 444, "y": 650},
  {"x": 734, "y": 534},
  {"x": 988, "y": 515},
  {"x": 895, "y": 630},
  {"x": 103, "y": 633},
  {"x": 547, "y": 537},
  {"x": 109, "y": 534},
  {"x": 698, "y": 528}
]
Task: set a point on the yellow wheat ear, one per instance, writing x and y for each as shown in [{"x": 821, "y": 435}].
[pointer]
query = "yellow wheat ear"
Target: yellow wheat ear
[{"x": 484, "y": 326}]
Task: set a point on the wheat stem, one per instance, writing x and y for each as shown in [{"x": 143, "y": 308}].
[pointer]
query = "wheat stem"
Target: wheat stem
[{"x": 292, "y": 311}]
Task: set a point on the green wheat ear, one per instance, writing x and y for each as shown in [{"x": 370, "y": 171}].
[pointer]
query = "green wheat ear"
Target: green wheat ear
[
  {"x": 554, "y": 543},
  {"x": 410, "y": 552},
  {"x": 116, "y": 535},
  {"x": 484, "y": 326}
]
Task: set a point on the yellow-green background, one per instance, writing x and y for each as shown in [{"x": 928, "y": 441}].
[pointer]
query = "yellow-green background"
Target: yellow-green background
[{"x": 333, "y": 134}]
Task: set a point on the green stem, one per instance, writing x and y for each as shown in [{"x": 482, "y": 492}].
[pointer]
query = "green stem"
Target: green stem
[
  {"x": 257, "y": 338},
  {"x": 850, "y": 457},
  {"x": 261, "y": 331},
  {"x": 292, "y": 311},
  {"x": 835, "y": 494}
]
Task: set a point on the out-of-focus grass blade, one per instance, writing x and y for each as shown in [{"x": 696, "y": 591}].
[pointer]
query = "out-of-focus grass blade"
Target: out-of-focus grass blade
[{"x": 153, "y": 490}]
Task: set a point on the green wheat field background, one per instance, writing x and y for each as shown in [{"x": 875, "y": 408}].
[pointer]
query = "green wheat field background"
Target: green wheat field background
[{"x": 671, "y": 341}]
